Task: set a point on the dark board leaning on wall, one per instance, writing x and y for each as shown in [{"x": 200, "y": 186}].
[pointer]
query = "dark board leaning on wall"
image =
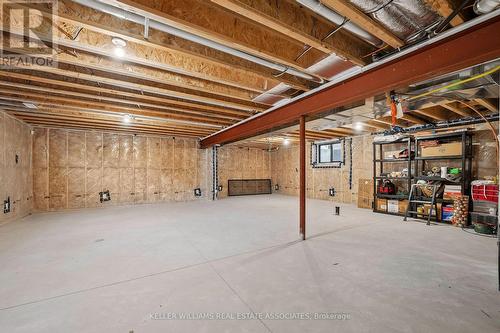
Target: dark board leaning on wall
[{"x": 248, "y": 186}]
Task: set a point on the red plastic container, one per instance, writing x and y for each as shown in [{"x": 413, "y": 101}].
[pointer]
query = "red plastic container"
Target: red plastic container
[{"x": 485, "y": 192}]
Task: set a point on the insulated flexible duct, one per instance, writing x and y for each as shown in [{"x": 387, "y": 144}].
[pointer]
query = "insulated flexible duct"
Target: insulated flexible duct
[{"x": 485, "y": 6}]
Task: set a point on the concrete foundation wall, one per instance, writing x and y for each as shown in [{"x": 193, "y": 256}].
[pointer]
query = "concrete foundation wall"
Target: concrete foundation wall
[
  {"x": 15, "y": 177},
  {"x": 70, "y": 168}
]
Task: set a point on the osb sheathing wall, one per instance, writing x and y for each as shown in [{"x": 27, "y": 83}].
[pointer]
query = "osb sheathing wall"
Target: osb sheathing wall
[
  {"x": 242, "y": 163},
  {"x": 285, "y": 171},
  {"x": 484, "y": 147},
  {"x": 70, "y": 168},
  {"x": 15, "y": 178}
]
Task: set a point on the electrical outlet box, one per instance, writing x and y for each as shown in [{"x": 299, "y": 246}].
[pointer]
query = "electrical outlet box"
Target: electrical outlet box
[
  {"x": 197, "y": 192},
  {"x": 276, "y": 187},
  {"x": 219, "y": 188},
  {"x": 331, "y": 192},
  {"x": 6, "y": 206},
  {"x": 104, "y": 196}
]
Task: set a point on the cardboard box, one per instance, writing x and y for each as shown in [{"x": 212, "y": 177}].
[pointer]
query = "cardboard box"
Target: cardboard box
[
  {"x": 365, "y": 193},
  {"x": 393, "y": 206},
  {"x": 445, "y": 149},
  {"x": 381, "y": 204},
  {"x": 403, "y": 204},
  {"x": 427, "y": 208}
]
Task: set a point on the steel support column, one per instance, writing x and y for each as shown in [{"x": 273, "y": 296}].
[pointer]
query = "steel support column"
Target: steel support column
[{"x": 302, "y": 181}]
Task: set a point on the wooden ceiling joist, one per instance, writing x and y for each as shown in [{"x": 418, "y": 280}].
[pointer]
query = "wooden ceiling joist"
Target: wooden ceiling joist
[
  {"x": 49, "y": 94},
  {"x": 61, "y": 119},
  {"x": 436, "y": 112},
  {"x": 66, "y": 93},
  {"x": 413, "y": 119},
  {"x": 116, "y": 129},
  {"x": 445, "y": 8},
  {"x": 69, "y": 114},
  {"x": 348, "y": 10},
  {"x": 48, "y": 103},
  {"x": 457, "y": 108},
  {"x": 487, "y": 104},
  {"x": 200, "y": 18},
  {"x": 256, "y": 12},
  {"x": 160, "y": 48},
  {"x": 140, "y": 95},
  {"x": 140, "y": 87}
]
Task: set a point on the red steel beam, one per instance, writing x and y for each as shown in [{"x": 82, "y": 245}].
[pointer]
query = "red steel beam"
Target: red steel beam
[
  {"x": 472, "y": 46},
  {"x": 302, "y": 180}
]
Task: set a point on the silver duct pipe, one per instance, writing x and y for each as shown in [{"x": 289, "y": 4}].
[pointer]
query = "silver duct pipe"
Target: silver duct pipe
[
  {"x": 332, "y": 16},
  {"x": 136, "y": 18},
  {"x": 485, "y": 6}
]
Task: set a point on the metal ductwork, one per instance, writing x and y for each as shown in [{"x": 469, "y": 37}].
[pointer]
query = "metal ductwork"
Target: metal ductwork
[
  {"x": 332, "y": 16},
  {"x": 485, "y": 6},
  {"x": 139, "y": 19}
]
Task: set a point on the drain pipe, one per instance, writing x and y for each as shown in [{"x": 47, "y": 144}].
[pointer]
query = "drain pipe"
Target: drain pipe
[
  {"x": 136, "y": 18},
  {"x": 332, "y": 16}
]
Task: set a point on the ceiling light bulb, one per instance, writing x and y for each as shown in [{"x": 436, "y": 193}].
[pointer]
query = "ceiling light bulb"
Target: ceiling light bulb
[
  {"x": 127, "y": 118},
  {"x": 118, "y": 42},
  {"x": 358, "y": 126},
  {"x": 119, "y": 52}
]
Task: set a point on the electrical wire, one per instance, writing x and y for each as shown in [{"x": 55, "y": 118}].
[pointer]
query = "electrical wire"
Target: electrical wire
[
  {"x": 495, "y": 135},
  {"x": 331, "y": 33},
  {"x": 454, "y": 84},
  {"x": 377, "y": 8}
]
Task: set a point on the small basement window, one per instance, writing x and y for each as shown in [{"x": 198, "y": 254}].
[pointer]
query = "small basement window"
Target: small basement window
[{"x": 327, "y": 154}]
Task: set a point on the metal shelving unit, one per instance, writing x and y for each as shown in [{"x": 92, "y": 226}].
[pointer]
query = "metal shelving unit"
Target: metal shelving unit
[
  {"x": 379, "y": 160},
  {"x": 465, "y": 162}
]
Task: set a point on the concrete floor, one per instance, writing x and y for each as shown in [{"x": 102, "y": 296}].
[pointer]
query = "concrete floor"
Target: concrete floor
[{"x": 126, "y": 269}]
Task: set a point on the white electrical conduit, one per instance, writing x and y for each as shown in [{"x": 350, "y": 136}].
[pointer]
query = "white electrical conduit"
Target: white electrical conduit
[
  {"x": 127, "y": 15},
  {"x": 332, "y": 16}
]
